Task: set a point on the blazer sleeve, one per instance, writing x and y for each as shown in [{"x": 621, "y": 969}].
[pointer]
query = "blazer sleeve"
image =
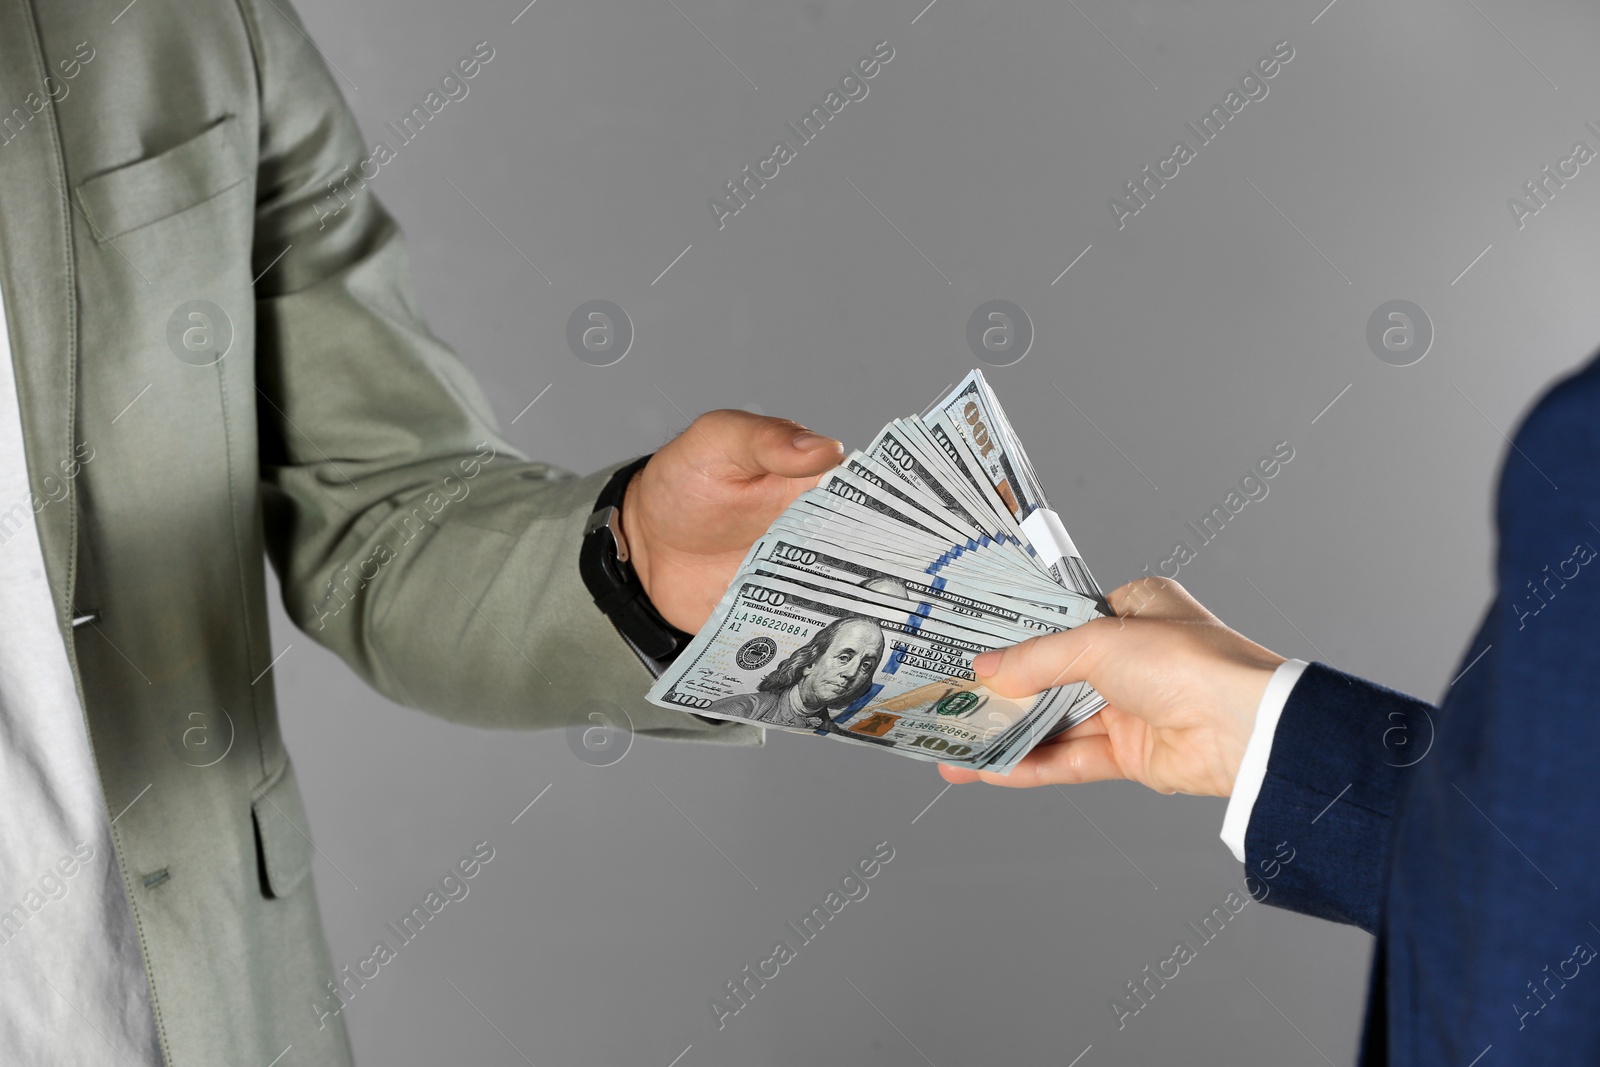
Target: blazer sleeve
[
  {"x": 1333, "y": 778},
  {"x": 409, "y": 536}
]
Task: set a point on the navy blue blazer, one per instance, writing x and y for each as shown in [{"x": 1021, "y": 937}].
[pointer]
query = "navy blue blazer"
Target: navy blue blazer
[{"x": 1467, "y": 837}]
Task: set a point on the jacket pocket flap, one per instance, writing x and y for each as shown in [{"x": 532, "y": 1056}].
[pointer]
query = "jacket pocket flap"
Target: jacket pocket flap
[
  {"x": 283, "y": 837},
  {"x": 152, "y": 189}
]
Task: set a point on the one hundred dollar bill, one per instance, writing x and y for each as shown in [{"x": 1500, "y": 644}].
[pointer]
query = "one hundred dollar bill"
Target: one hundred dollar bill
[{"x": 784, "y": 655}]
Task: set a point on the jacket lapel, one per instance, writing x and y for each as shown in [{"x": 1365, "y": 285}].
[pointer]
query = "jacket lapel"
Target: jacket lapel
[{"x": 37, "y": 277}]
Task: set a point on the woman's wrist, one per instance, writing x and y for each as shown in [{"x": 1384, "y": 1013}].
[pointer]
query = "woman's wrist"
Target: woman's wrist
[{"x": 1243, "y": 688}]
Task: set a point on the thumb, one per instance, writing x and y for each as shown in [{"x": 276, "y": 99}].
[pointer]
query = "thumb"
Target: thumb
[
  {"x": 754, "y": 445},
  {"x": 1047, "y": 661}
]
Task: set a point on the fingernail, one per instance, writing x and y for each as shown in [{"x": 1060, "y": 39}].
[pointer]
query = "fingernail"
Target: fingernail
[
  {"x": 805, "y": 442},
  {"x": 986, "y": 663}
]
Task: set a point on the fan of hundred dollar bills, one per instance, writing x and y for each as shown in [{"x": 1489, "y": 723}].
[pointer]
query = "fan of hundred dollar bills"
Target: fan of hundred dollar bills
[{"x": 858, "y": 613}]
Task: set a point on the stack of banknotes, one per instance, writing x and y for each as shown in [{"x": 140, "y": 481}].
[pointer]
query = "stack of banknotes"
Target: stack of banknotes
[{"x": 858, "y": 613}]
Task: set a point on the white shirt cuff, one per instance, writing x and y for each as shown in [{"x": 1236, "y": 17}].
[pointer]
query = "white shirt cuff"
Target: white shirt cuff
[{"x": 1253, "y": 767}]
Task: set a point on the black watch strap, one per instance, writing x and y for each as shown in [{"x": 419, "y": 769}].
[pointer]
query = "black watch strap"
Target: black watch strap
[{"x": 611, "y": 581}]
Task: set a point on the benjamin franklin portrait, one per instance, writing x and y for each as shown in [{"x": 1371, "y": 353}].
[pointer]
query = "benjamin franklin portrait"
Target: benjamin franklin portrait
[{"x": 830, "y": 672}]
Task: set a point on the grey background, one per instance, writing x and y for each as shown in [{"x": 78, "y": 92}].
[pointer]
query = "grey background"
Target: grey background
[{"x": 1196, "y": 338}]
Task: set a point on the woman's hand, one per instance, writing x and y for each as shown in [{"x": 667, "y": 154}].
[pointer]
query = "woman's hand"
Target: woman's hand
[{"x": 1182, "y": 691}]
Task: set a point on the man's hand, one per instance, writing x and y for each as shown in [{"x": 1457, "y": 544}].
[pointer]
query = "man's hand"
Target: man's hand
[
  {"x": 696, "y": 508},
  {"x": 1182, "y": 691}
]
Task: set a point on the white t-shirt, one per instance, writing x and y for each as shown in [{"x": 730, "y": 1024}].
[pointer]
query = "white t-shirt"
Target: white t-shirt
[{"x": 72, "y": 983}]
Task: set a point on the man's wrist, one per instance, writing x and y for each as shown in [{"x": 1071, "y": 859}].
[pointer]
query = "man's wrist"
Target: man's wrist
[
  {"x": 608, "y": 571},
  {"x": 639, "y": 560},
  {"x": 638, "y": 547}
]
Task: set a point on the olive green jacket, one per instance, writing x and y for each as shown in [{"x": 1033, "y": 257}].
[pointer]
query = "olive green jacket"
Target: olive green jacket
[{"x": 176, "y": 153}]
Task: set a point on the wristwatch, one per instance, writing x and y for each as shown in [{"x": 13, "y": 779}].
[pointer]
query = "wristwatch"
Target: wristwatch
[{"x": 617, "y": 591}]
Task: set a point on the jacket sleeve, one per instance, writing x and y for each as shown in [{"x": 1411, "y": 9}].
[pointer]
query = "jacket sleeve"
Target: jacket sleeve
[
  {"x": 1339, "y": 758},
  {"x": 409, "y": 536}
]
